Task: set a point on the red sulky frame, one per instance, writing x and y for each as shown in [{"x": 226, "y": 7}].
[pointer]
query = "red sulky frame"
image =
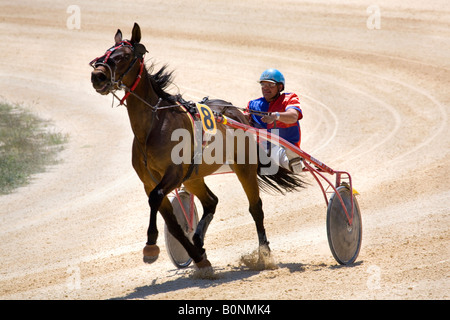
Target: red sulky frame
[{"x": 314, "y": 166}]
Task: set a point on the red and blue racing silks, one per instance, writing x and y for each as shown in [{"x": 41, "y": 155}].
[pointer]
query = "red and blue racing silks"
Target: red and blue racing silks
[{"x": 290, "y": 132}]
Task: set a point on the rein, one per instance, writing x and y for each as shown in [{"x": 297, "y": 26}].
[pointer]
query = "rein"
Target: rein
[
  {"x": 135, "y": 84},
  {"x": 118, "y": 85}
]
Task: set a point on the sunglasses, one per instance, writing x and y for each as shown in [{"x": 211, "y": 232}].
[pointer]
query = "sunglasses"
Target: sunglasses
[{"x": 266, "y": 84}]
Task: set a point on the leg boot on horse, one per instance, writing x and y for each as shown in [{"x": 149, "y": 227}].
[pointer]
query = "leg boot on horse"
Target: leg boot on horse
[{"x": 209, "y": 202}]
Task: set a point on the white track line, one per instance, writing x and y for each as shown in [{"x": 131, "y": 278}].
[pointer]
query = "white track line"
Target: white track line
[{"x": 335, "y": 120}]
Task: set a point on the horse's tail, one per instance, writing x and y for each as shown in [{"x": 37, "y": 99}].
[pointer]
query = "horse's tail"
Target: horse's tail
[{"x": 282, "y": 181}]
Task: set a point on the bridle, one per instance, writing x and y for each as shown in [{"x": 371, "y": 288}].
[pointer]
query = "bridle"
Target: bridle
[{"x": 139, "y": 52}]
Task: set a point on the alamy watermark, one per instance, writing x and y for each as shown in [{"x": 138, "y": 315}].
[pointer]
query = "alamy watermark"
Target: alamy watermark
[
  {"x": 74, "y": 20},
  {"x": 374, "y": 19},
  {"x": 238, "y": 146},
  {"x": 73, "y": 281},
  {"x": 374, "y": 278}
]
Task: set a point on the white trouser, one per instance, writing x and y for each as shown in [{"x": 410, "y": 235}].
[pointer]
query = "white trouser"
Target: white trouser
[{"x": 279, "y": 155}]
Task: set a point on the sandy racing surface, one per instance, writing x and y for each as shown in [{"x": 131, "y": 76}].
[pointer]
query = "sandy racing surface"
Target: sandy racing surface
[{"x": 375, "y": 103}]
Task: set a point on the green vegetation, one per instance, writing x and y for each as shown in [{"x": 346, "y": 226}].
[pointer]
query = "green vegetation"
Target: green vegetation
[{"x": 27, "y": 146}]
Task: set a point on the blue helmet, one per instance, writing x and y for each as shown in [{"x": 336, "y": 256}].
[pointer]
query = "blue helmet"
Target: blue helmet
[{"x": 272, "y": 75}]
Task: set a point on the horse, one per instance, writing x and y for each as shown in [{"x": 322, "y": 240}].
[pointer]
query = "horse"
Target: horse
[{"x": 154, "y": 114}]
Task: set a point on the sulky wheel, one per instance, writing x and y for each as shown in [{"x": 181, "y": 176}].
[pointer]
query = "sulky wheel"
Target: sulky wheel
[
  {"x": 177, "y": 253},
  {"x": 344, "y": 239}
]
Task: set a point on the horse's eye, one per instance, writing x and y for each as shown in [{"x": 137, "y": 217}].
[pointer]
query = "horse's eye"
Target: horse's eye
[{"x": 121, "y": 58}]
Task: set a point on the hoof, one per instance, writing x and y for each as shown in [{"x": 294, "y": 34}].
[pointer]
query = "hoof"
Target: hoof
[
  {"x": 204, "y": 263},
  {"x": 260, "y": 259},
  {"x": 264, "y": 251},
  {"x": 265, "y": 259},
  {"x": 151, "y": 253},
  {"x": 204, "y": 270}
]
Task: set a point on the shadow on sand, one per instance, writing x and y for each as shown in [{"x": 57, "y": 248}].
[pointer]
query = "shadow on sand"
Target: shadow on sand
[{"x": 182, "y": 279}]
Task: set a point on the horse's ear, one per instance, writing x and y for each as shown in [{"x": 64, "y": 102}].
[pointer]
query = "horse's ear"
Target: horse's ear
[
  {"x": 139, "y": 50},
  {"x": 136, "y": 33},
  {"x": 118, "y": 37}
]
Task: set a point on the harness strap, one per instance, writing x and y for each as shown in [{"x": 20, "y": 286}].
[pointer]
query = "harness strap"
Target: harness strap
[
  {"x": 135, "y": 84},
  {"x": 193, "y": 166}
]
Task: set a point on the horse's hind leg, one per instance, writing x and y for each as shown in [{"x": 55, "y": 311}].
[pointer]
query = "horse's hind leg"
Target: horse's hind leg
[
  {"x": 248, "y": 178},
  {"x": 209, "y": 203}
]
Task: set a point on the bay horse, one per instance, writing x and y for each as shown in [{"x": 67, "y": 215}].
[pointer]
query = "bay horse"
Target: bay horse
[{"x": 154, "y": 114}]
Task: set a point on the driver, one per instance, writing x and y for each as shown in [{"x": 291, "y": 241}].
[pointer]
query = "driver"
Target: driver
[{"x": 284, "y": 113}]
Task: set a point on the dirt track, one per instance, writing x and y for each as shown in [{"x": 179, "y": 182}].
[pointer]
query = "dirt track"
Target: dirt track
[{"x": 375, "y": 103}]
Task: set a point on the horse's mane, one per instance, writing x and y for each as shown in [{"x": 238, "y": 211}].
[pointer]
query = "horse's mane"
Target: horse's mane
[{"x": 160, "y": 80}]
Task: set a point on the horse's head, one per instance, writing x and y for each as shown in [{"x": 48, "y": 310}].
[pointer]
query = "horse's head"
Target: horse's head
[{"x": 118, "y": 64}]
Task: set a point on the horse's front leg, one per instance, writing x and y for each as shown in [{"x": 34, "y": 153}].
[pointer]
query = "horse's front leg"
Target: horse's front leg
[
  {"x": 151, "y": 249},
  {"x": 158, "y": 201}
]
